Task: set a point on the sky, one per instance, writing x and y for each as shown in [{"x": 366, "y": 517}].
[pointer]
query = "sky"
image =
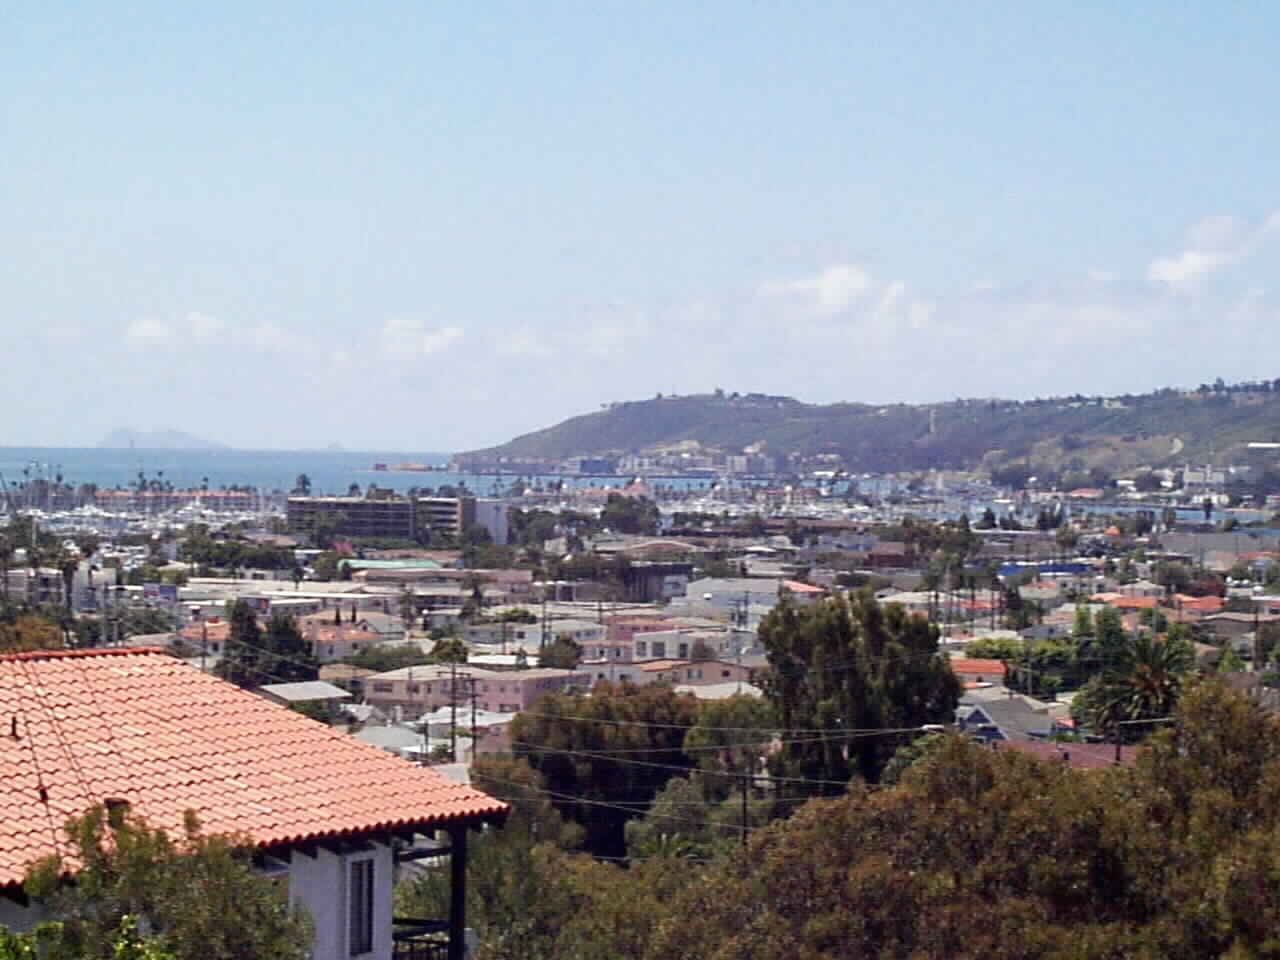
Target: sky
[{"x": 425, "y": 226}]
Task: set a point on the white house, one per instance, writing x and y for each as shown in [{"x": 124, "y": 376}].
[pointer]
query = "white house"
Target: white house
[{"x": 139, "y": 727}]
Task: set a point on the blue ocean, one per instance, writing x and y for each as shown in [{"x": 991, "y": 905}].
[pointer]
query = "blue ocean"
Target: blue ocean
[{"x": 266, "y": 470}]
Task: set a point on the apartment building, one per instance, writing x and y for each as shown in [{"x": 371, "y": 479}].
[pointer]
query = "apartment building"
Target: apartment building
[
  {"x": 408, "y": 518},
  {"x": 419, "y": 690}
]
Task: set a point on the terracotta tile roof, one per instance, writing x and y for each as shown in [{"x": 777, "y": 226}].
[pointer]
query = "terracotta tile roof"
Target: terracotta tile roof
[
  {"x": 1210, "y": 604},
  {"x": 1124, "y": 601},
  {"x": 1080, "y": 756},
  {"x": 77, "y": 727},
  {"x": 970, "y": 666},
  {"x": 796, "y": 586}
]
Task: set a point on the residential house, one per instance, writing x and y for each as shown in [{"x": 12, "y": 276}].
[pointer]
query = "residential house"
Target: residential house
[
  {"x": 623, "y": 630},
  {"x": 136, "y": 727},
  {"x": 208, "y": 637},
  {"x": 1233, "y": 626},
  {"x": 1009, "y": 718},
  {"x": 315, "y": 693},
  {"x": 419, "y": 690},
  {"x": 348, "y": 677},
  {"x": 731, "y": 595},
  {"x": 719, "y": 691},
  {"x": 800, "y": 592},
  {"x": 971, "y": 670},
  {"x": 389, "y": 627},
  {"x": 1078, "y": 756},
  {"x": 337, "y": 642}
]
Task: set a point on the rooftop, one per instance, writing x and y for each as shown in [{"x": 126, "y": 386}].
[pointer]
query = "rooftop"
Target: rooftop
[{"x": 139, "y": 725}]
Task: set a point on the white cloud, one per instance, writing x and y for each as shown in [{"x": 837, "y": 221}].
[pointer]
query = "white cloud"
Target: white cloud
[
  {"x": 408, "y": 337},
  {"x": 1185, "y": 273},
  {"x": 264, "y": 336},
  {"x": 203, "y": 327},
  {"x": 832, "y": 289},
  {"x": 523, "y": 341},
  {"x": 1212, "y": 244},
  {"x": 148, "y": 332}
]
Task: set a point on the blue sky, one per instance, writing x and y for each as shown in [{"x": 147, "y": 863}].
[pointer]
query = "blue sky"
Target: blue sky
[{"x": 415, "y": 226}]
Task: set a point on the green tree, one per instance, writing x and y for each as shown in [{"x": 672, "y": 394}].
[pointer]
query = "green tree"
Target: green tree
[
  {"x": 22, "y": 631},
  {"x": 623, "y": 514},
  {"x": 449, "y": 650},
  {"x": 563, "y": 653},
  {"x": 570, "y": 739},
  {"x": 1000, "y": 647},
  {"x": 197, "y": 897},
  {"x": 7, "y": 550},
  {"x": 1143, "y": 682},
  {"x": 847, "y": 666},
  {"x": 382, "y": 658},
  {"x": 253, "y": 656}
]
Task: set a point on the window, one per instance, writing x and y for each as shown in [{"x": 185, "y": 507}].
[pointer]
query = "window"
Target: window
[
  {"x": 659, "y": 648},
  {"x": 640, "y": 648},
  {"x": 382, "y": 687},
  {"x": 683, "y": 653},
  {"x": 360, "y": 904}
]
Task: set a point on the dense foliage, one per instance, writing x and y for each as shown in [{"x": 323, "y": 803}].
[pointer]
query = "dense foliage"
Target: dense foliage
[
  {"x": 195, "y": 897},
  {"x": 851, "y": 668},
  {"x": 255, "y": 655},
  {"x": 571, "y": 741}
]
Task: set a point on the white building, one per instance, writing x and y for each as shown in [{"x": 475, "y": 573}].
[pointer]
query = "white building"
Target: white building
[{"x": 330, "y": 815}]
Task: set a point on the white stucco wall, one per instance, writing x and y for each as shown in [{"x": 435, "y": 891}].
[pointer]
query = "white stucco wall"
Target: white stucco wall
[{"x": 320, "y": 885}]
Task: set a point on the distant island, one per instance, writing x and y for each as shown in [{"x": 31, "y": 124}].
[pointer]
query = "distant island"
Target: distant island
[{"x": 124, "y": 438}]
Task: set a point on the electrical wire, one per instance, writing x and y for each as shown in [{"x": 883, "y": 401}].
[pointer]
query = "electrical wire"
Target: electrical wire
[{"x": 671, "y": 766}]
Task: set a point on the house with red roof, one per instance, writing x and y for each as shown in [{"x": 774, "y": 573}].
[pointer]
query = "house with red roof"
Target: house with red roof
[
  {"x": 139, "y": 728},
  {"x": 978, "y": 670},
  {"x": 800, "y": 591}
]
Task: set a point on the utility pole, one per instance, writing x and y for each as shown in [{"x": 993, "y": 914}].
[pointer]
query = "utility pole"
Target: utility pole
[
  {"x": 471, "y": 689},
  {"x": 453, "y": 712}
]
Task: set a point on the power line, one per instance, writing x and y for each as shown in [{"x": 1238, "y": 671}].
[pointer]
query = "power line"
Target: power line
[
  {"x": 571, "y": 798},
  {"x": 677, "y": 767},
  {"x": 824, "y": 731}
]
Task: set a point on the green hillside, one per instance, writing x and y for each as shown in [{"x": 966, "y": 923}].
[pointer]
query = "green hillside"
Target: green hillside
[{"x": 1162, "y": 428}]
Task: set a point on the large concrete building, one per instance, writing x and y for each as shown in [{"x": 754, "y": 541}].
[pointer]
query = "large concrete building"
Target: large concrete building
[{"x": 408, "y": 518}]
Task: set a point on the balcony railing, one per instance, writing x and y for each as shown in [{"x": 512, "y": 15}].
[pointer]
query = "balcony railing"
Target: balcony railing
[{"x": 415, "y": 939}]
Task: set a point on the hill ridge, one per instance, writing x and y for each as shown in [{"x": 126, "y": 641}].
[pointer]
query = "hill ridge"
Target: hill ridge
[{"x": 1211, "y": 423}]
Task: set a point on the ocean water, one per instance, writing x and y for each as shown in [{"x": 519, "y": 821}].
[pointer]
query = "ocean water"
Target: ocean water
[
  {"x": 329, "y": 471},
  {"x": 268, "y": 470}
]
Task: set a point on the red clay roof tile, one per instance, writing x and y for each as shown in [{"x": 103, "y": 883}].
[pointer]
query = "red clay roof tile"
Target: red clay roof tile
[{"x": 142, "y": 725}]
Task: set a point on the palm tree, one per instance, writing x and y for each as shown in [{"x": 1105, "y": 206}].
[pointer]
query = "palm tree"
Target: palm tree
[
  {"x": 1145, "y": 680},
  {"x": 6, "y": 556},
  {"x": 67, "y": 562}
]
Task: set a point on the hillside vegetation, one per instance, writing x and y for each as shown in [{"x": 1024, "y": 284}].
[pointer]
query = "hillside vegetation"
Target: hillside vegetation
[{"x": 1162, "y": 428}]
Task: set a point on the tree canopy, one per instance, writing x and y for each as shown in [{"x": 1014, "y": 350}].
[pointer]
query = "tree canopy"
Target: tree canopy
[
  {"x": 853, "y": 669},
  {"x": 142, "y": 895}
]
